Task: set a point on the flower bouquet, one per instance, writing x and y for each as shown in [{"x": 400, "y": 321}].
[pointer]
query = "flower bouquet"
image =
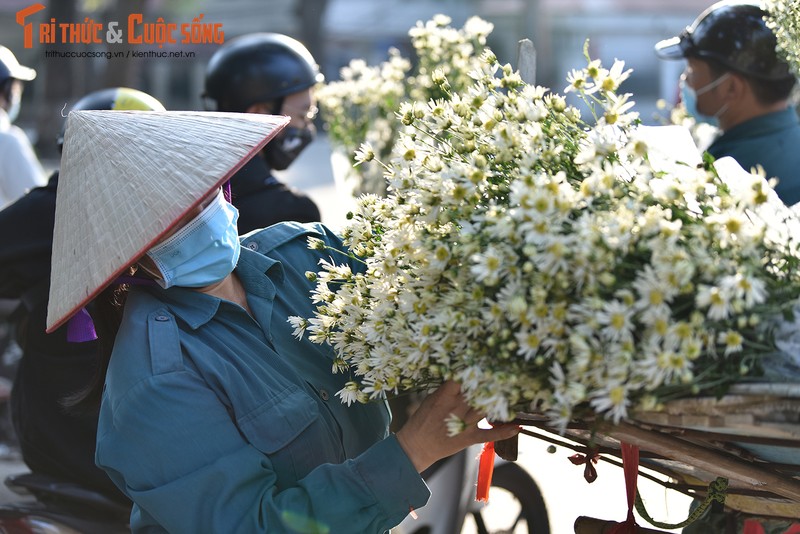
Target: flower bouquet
[
  {"x": 784, "y": 21},
  {"x": 547, "y": 262},
  {"x": 360, "y": 107}
]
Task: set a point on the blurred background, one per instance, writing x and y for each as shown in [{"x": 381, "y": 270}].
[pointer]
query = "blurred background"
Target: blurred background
[{"x": 336, "y": 31}]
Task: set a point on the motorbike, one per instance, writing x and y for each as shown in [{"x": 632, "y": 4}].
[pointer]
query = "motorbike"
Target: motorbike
[{"x": 50, "y": 506}]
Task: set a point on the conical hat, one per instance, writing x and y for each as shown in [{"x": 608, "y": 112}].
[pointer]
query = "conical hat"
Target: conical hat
[{"x": 127, "y": 177}]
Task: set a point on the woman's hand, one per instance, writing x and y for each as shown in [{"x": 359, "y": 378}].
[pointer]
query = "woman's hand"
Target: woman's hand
[{"x": 424, "y": 437}]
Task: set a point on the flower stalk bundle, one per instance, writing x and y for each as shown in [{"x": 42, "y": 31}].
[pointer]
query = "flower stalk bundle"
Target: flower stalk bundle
[
  {"x": 543, "y": 261},
  {"x": 360, "y": 107},
  {"x": 784, "y": 20}
]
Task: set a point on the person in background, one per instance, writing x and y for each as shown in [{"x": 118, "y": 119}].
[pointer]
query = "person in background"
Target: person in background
[
  {"x": 20, "y": 170},
  {"x": 735, "y": 79},
  {"x": 214, "y": 417},
  {"x": 54, "y": 440},
  {"x": 275, "y": 74}
]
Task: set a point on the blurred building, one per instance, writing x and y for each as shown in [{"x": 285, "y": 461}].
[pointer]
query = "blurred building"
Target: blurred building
[
  {"x": 623, "y": 29},
  {"x": 339, "y": 30}
]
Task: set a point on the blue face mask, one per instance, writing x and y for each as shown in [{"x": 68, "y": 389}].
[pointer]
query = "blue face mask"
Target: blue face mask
[
  {"x": 689, "y": 99},
  {"x": 203, "y": 252}
]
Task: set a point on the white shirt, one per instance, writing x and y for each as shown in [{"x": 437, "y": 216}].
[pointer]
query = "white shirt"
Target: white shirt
[{"x": 20, "y": 170}]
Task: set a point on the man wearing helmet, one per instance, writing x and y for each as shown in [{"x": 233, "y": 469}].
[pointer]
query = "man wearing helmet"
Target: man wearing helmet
[
  {"x": 53, "y": 441},
  {"x": 734, "y": 78},
  {"x": 275, "y": 74},
  {"x": 20, "y": 170}
]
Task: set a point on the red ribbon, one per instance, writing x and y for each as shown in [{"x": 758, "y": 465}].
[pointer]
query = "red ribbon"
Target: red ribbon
[
  {"x": 752, "y": 526},
  {"x": 590, "y": 458},
  {"x": 630, "y": 466},
  {"x": 485, "y": 470}
]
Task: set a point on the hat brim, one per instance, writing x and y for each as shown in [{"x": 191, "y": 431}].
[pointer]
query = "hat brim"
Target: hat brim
[
  {"x": 128, "y": 178},
  {"x": 23, "y": 73},
  {"x": 670, "y": 48}
]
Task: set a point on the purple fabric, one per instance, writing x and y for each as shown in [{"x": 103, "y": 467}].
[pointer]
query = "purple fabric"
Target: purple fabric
[
  {"x": 80, "y": 327},
  {"x": 226, "y": 191}
]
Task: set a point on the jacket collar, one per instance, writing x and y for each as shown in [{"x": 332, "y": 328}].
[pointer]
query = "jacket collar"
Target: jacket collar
[
  {"x": 258, "y": 273},
  {"x": 763, "y": 125}
]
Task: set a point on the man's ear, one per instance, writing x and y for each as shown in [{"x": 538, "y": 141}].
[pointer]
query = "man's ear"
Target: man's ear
[{"x": 737, "y": 87}]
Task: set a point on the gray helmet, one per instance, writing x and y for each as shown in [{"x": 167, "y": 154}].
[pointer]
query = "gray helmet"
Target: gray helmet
[
  {"x": 734, "y": 34},
  {"x": 11, "y": 69},
  {"x": 258, "y": 67}
]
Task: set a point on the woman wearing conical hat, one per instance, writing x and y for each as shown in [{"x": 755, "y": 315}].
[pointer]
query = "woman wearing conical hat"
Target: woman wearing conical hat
[{"x": 213, "y": 417}]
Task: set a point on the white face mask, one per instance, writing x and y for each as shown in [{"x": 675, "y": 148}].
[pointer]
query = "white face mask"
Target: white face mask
[{"x": 689, "y": 98}]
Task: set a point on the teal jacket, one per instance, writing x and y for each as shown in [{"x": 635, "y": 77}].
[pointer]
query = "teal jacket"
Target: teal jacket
[
  {"x": 772, "y": 141},
  {"x": 215, "y": 421}
]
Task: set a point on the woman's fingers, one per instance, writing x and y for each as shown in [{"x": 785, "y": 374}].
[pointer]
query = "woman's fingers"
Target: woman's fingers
[
  {"x": 473, "y": 416},
  {"x": 498, "y": 433},
  {"x": 425, "y": 438}
]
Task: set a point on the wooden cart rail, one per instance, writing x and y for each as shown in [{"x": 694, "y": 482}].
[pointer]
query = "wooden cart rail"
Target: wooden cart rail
[{"x": 751, "y": 437}]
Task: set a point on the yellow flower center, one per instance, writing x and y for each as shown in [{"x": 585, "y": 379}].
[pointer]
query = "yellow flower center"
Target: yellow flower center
[
  {"x": 656, "y": 297},
  {"x": 618, "y": 321},
  {"x": 617, "y": 395}
]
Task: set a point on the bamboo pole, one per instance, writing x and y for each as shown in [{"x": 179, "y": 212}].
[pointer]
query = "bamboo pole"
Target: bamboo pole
[
  {"x": 591, "y": 525},
  {"x": 708, "y": 460},
  {"x": 777, "y": 389},
  {"x": 526, "y": 61}
]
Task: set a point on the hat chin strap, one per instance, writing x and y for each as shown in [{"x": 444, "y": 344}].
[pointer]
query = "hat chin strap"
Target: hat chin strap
[{"x": 150, "y": 272}]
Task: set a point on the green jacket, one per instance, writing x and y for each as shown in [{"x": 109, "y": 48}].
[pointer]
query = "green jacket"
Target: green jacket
[{"x": 772, "y": 141}]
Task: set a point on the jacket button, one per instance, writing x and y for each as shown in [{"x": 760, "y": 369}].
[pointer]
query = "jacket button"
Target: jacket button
[
  {"x": 252, "y": 246},
  {"x": 162, "y": 318},
  {"x": 323, "y": 393}
]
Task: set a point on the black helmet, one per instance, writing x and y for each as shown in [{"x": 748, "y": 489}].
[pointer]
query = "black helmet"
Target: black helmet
[
  {"x": 113, "y": 98},
  {"x": 258, "y": 67},
  {"x": 10, "y": 67},
  {"x": 733, "y": 34}
]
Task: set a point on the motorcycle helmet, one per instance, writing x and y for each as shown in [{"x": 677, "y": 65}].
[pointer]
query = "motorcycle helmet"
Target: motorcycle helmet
[
  {"x": 11, "y": 69},
  {"x": 113, "y": 98},
  {"x": 733, "y": 34},
  {"x": 258, "y": 67}
]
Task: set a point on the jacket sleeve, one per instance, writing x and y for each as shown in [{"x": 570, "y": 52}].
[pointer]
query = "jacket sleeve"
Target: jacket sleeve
[
  {"x": 26, "y": 241},
  {"x": 171, "y": 445}
]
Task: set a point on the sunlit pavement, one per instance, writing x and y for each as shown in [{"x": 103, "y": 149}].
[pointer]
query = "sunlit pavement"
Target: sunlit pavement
[
  {"x": 565, "y": 491},
  {"x": 569, "y": 496}
]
